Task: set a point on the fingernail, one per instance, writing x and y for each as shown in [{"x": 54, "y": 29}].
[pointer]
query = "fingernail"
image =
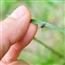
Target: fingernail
[{"x": 18, "y": 13}]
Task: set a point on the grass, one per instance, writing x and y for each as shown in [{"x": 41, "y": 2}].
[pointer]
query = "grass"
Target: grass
[{"x": 51, "y": 13}]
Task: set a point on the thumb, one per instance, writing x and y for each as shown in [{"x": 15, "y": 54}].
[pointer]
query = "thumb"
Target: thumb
[
  {"x": 13, "y": 28},
  {"x": 17, "y": 23}
]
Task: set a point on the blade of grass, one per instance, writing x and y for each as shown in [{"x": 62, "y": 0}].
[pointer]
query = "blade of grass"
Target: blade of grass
[
  {"x": 48, "y": 25},
  {"x": 42, "y": 43}
]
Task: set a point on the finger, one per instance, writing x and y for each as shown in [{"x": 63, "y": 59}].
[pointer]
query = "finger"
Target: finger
[
  {"x": 15, "y": 49},
  {"x": 17, "y": 23},
  {"x": 13, "y": 28}
]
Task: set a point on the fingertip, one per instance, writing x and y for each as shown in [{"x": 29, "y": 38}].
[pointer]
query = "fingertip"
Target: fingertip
[
  {"x": 20, "y": 12},
  {"x": 29, "y": 35},
  {"x": 34, "y": 26}
]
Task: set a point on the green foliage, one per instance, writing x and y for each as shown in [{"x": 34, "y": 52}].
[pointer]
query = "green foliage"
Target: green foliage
[{"x": 51, "y": 13}]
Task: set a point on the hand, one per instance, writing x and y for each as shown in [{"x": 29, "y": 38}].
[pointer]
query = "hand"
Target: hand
[{"x": 16, "y": 31}]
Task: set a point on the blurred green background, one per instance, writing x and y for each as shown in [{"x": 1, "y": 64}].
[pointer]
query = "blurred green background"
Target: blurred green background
[{"x": 51, "y": 11}]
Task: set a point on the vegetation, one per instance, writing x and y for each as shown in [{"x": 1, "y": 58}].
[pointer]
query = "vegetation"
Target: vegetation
[{"x": 48, "y": 46}]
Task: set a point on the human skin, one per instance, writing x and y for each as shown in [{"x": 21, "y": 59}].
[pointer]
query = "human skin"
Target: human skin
[{"x": 16, "y": 32}]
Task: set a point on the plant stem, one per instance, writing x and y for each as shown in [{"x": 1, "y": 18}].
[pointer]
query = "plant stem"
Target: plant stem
[
  {"x": 55, "y": 52},
  {"x": 48, "y": 25}
]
